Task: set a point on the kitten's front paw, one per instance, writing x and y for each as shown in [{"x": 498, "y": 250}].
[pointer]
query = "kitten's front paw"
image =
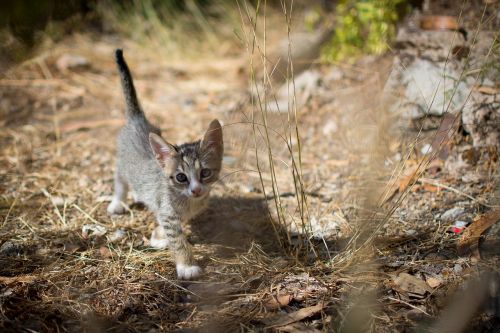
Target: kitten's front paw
[
  {"x": 116, "y": 207},
  {"x": 188, "y": 272}
]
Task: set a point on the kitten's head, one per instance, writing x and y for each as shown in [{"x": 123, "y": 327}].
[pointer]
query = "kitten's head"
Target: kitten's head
[{"x": 191, "y": 167}]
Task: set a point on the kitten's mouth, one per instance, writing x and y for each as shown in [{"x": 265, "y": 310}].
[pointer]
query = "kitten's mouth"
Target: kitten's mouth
[{"x": 198, "y": 196}]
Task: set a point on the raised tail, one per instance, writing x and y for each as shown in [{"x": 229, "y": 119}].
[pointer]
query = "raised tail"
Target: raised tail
[{"x": 132, "y": 103}]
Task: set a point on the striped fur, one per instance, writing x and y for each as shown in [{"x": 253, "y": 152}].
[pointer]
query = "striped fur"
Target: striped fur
[{"x": 149, "y": 166}]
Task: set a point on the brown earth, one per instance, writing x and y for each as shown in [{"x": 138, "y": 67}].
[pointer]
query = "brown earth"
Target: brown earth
[{"x": 387, "y": 262}]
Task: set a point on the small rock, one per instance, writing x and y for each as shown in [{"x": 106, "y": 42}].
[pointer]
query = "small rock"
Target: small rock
[
  {"x": 305, "y": 81},
  {"x": 43, "y": 251},
  {"x": 303, "y": 86},
  {"x": 247, "y": 188},
  {"x": 324, "y": 226},
  {"x": 424, "y": 81},
  {"x": 457, "y": 269},
  {"x": 11, "y": 249},
  {"x": 480, "y": 120},
  {"x": 7, "y": 292},
  {"x": 472, "y": 177},
  {"x": 58, "y": 201},
  {"x": 411, "y": 232},
  {"x": 71, "y": 61},
  {"x": 330, "y": 127},
  {"x": 412, "y": 285},
  {"x": 117, "y": 235},
  {"x": 452, "y": 214},
  {"x": 426, "y": 149},
  {"x": 93, "y": 230}
]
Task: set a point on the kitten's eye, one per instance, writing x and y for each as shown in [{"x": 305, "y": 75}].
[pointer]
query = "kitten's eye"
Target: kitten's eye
[
  {"x": 205, "y": 173},
  {"x": 181, "y": 178}
]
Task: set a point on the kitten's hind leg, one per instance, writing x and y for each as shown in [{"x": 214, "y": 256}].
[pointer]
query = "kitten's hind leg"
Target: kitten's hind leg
[
  {"x": 117, "y": 204},
  {"x": 159, "y": 238}
]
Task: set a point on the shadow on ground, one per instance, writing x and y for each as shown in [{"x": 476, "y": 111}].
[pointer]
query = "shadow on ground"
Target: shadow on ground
[{"x": 232, "y": 224}]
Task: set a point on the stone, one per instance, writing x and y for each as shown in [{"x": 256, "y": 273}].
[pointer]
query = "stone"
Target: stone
[
  {"x": 426, "y": 149},
  {"x": 452, "y": 214},
  {"x": 58, "y": 201},
  {"x": 480, "y": 120},
  {"x": 330, "y": 127},
  {"x": 326, "y": 226},
  {"x": 11, "y": 249},
  {"x": 93, "y": 230},
  {"x": 117, "y": 235},
  {"x": 425, "y": 88},
  {"x": 433, "y": 45},
  {"x": 303, "y": 86}
]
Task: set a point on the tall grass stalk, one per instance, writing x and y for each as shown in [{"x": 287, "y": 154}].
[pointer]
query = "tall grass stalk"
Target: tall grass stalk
[{"x": 263, "y": 94}]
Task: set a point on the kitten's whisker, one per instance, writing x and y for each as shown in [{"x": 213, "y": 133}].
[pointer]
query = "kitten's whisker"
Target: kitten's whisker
[{"x": 234, "y": 172}]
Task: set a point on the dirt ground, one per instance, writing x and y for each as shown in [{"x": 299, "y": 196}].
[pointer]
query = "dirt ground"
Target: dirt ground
[{"x": 379, "y": 255}]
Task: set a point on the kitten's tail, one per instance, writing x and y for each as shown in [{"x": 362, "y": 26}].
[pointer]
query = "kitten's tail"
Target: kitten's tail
[{"x": 132, "y": 103}]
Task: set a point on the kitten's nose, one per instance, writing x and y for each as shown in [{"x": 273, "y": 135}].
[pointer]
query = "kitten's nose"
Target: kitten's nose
[{"x": 196, "y": 191}]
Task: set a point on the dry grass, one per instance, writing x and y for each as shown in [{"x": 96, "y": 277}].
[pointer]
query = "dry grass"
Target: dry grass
[
  {"x": 163, "y": 26},
  {"x": 56, "y": 174}
]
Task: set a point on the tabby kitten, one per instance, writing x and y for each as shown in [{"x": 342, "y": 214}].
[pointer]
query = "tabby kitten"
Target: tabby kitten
[{"x": 172, "y": 181}]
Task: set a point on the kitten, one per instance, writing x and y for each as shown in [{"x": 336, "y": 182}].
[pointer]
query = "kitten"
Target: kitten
[{"x": 172, "y": 181}]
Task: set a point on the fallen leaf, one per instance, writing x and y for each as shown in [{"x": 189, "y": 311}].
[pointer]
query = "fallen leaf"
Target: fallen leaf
[
  {"x": 410, "y": 175},
  {"x": 438, "y": 22},
  {"x": 297, "y": 327},
  {"x": 292, "y": 317},
  {"x": 17, "y": 279},
  {"x": 468, "y": 244},
  {"x": 429, "y": 188},
  {"x": 411, "y": 285},
  {"x": 278, "y": 301},
  {"x": 485, "y": 90},
  {"x": 433, "y": 282},
  {"x": 402, "y": 183}
]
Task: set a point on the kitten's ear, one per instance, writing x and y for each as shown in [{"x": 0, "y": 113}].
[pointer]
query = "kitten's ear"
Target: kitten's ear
[
  {"x": 212, "y": 141},
  {"x": 163, "y": 150}
]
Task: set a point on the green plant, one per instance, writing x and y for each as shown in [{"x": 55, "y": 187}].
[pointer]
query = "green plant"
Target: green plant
[{"x": 363, "y": 27}]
